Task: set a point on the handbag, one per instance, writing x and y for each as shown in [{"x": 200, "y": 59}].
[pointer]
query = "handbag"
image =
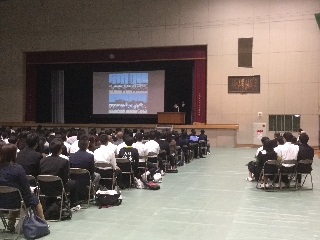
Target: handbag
[
  {"x": 108, "y": 198},
  {"x": 33, "y": 226}
]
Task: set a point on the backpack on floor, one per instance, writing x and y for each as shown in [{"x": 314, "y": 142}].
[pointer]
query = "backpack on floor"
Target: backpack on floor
[
  {"x": 152, "y": 186},
  {"x": 108, "y": 198},
  {"x": 53, "y": 211}
]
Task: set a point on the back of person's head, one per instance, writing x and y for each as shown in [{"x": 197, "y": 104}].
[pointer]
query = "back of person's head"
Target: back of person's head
[
  {"x": 55, "y": 146},
  {"x": 139, "y": 136},
  {"x": 13, "y": 139},
  {"x": 294, "y": 139},
  {"x": 202, "y": 131},
  {"x": 8, "y": 153},
  {"x": 269, "y": 145},
  {"x": 163, "y": 135},
  {"x": 152, "y": 135},
  {"x": 119, "y": 135},
  {"x": 276, "y": 135},
  {"x": 128, "y": 141},
  {"x": 193, "y": 131},
  {"x": 280, "y": 140},
  {"x": 304, "y": 138},
  {"x": 288, "y": 136},
  {"x": 32, "y": 140},
  {"x": 83, "y": 143},
  {"x": 104, "y": 139},
  {"x": 264, "y": 139},
  {"x": 184, "y": 135}
]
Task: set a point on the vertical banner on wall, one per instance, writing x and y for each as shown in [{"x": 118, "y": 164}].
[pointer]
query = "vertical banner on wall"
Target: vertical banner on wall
[{"x": 200, "y": 91}]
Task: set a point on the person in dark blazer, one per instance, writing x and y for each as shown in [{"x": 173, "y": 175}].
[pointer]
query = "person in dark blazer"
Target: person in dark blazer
[
  {"x": 28, "y": 158},
  {"x": 13, "y": 175},
  {"x": 85, "y": 160},
  {"x": 58, "y": 166}
]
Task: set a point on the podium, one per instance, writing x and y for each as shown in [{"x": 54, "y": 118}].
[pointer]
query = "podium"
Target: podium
[{"x": 171, "y": 117}]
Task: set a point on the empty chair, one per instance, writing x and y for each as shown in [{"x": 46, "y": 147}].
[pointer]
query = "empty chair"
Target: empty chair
[
  {"x": 304, "y": 167},
  {"x": 82, "y": 176}
]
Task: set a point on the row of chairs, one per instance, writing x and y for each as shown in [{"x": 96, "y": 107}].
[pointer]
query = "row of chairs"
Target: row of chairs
[{"x": 277, "y": 169}]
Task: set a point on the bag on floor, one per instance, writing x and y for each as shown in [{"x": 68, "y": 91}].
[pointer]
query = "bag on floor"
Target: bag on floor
[
  {"x": 152, "y": 186},
  {"x": 33, "y": 226},
  {"x": 53, "y": 211},
  {"x": 108, "y": 198}
]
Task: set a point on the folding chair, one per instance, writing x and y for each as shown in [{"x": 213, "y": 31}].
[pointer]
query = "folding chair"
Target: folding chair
[
  {"x": 304, "y": 167},
  {"x": 84, "y": 178},
  {"x": 142, "y": 163},
  {"x": 109, "y": 171},
  {"x": 270, "y": 168},
  {"x": 179, "y": 156},
  {"x": 186, "y": 153},
  {"x": 163, "y": 156},
  {"x": 193, "y": 147},
  {"x": 126, "y": 168},
  {"x": 203, "y": 146},
  {"x": 51, "y": 186},
  {"x": 153, "y": 158},
  {"x": 289, "y": 171},
  {"x": 4, "y": 192}
]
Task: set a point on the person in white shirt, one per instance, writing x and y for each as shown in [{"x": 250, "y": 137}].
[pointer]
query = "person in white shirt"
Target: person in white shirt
[
  {"x": 105, "y": 154},
  {"x": 153, "y": 147},
  {"x": 143, "y": 153},
  {"x": 288, "y": 151}
]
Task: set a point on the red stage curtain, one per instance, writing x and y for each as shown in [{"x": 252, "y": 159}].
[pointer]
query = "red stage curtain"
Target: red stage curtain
[{"x": 200, "y": 91}]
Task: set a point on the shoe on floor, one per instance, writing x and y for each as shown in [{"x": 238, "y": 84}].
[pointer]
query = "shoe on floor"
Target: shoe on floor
[
  {"x": 208, "y": 153},
  {"x": 262, "y": 185},
  {"x": 249, "y": 179}
]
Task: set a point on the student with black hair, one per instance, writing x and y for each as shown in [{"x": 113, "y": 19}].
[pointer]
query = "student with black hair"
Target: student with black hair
[
  {"x": 305, "y": 152},
  {"x": 28, "y": 158},
  {"x": 58, "y": 166}
]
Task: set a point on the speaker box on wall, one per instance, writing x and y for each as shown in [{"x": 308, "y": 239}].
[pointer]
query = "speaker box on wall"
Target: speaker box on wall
[{"x": 317, "y": 15}]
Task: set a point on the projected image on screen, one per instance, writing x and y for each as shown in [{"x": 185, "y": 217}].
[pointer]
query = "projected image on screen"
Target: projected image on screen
[
  {"x": 128, "y": 83},
  {"x": 128, "y": 92},
  {"x": 128, "y": 103}
]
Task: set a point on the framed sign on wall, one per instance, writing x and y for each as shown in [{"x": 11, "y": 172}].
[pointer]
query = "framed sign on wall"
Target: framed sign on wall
[{"x": 244, "y": 84}]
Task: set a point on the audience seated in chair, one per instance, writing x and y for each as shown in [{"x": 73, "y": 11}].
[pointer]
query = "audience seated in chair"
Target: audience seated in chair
[
  {"x": 305, "y": 152},
  {"x": 13, "y": 175},
  {"x": 143, "y": 152},
  {"x": 85, "y": 160},
  {"x": 106, "y": 154},
  {"x": 266, "y": 154},
  {"x": 58, "y": 166},
  {"x": 288, "y": 151},
  {"x": 131, "y": 154},
  {"x": 28, "y": 158}
]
